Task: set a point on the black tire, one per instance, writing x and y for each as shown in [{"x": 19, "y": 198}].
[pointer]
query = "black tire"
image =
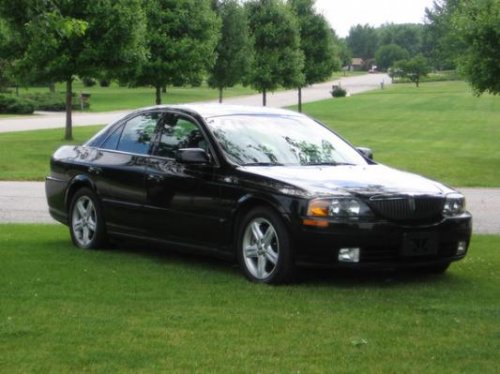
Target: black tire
[
  {"x": 86, "y": 222},
  {"x": 268, "y": 259}
]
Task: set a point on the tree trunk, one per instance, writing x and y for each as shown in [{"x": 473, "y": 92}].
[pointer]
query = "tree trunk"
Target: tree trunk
[
  {"x": 68, "y": 134},
  {"x": 220, "y": 94},
  {"x": 52, "y": 87},
  {"x": 164, "y": 89},
  {"x": 264, "y": 97},
  {"x": 300, "y": 99},
  {"x": 158, "y": 94}
]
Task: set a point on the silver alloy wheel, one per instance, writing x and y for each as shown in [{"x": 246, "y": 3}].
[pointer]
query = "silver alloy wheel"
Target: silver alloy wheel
[
  {"x": 260, "y": 248},
  {"x": 84, "y": 221}
]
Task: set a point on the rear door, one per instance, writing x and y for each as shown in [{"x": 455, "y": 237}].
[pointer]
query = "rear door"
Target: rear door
[{"x": 119, "y": 172}]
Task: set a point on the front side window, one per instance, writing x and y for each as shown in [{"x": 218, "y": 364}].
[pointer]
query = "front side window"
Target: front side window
[
  {"x": 179, "y": 133},
  {"x": 138, "y": 133}
]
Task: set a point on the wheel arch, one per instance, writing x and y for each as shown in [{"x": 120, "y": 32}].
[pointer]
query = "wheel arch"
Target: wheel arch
[
  {"x": 77, "y": 182},
  {"x": 249, "y": 202}
]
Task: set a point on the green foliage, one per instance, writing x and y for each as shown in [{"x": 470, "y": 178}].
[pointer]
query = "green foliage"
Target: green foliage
[
  {"x": 10, "y": 104},
  {"x": 233, "y": 52},
  {"x": 478, "y": 24},
  {"x": 408, "y": 36},
  {"x": 338, "y": 91},
  {"x": 58, "y": 40},
  {"x": 316, "y": 42},
  {"x": 139, "y": 310},
  {"x": 181, "y": 37},
  {"x": 362, "y": 41},
  {"x": 441, "y": 44},
  {"x": 414, "y": 68},
  {"x": 52, "y": 102},
  {"x": 388, "y": 54},
  {"x": 278, "y": 58}
]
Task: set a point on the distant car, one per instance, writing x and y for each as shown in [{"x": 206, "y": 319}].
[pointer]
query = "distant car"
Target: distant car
[{"x": 271, "y": 188}]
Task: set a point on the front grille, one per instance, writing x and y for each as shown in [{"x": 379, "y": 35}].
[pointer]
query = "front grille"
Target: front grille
[{"x": 407, "y": 208}]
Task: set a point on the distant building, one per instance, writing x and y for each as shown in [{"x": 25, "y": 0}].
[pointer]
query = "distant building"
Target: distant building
[{"x": 356, "y": 64}]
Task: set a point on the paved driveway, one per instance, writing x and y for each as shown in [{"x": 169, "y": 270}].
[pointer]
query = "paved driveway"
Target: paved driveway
[
  {"x": 321, "y": 91},
  {"x": 24, "y": 202}
]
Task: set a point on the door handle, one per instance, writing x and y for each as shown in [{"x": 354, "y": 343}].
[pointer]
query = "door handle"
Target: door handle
[
  {"x": 155, "y": 178},
  {"x": 94, "y": 170}
]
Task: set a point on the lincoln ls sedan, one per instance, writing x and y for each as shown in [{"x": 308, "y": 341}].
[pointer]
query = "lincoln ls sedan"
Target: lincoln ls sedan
[{"x": 269, "y": 188}]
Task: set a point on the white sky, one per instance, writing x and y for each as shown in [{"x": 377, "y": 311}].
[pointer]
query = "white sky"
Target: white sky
[{"x": 342, "y": 14}]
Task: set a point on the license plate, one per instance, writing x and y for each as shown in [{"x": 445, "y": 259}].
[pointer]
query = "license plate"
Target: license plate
[{"x": 419, "y": 244}]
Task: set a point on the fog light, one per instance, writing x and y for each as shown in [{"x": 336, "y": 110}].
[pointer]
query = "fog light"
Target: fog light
[
  {"x": 461, "y": 248},
  {"x": 349, "y": 255}
]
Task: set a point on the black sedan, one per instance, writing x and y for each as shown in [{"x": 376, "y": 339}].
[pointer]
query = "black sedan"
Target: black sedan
[{"x": 271, "y": 188}]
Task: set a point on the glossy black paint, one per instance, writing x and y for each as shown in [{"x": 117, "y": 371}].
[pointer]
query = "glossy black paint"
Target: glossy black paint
[{"x": 195, "y": 201}]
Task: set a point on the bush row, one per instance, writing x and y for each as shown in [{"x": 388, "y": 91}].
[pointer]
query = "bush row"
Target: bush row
[{"x": 27, "y": 104}]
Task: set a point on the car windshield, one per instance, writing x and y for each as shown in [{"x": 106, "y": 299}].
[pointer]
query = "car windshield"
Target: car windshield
[{"x": 280, "y": 140}]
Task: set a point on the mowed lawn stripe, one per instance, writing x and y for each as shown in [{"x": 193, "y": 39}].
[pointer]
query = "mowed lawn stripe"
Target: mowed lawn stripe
[{"x": 138, "y": 309}]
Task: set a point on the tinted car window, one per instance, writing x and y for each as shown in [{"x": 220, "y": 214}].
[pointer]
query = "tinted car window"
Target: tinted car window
[
  {"x": 111, "y": 141},
  {"x": 177, "y": 134},
  {"x": 138, "y": 133}
]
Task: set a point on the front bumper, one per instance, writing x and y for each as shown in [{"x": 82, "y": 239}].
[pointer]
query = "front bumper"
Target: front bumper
[{"x": 384, "y": 244}]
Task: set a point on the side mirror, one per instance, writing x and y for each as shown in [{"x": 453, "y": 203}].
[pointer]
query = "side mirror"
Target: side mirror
[
  {"x": 367, "y": 152},
  {"x": 192, "y": 156}
]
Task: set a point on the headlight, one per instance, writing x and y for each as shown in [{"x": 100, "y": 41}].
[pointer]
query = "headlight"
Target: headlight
[
  {"x": 454, "y": 204},
  {"x": 337, "y": 207}
]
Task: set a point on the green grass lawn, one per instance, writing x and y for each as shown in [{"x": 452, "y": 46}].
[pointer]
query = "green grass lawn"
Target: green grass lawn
[
  {"x": 137, "y": 310},
  {"x": 26, "y": 155},
  {"x": 439, "y": 130}
]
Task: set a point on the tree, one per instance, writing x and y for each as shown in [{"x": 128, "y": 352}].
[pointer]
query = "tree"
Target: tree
[
  {"x": 316, "y": 43},
  {"x": 233, "y": 52},
  {"x": 276, "y": 43},
  {"x": 478, "y": 24},
  {"x": 363, "y": 41},
  {"x": 62, "y": 39},
  {"x": 388, "y": 54},
  {"x": 414, "y": 68},
  {"x": 441, "y": 43},
  {"x": 181, "y": 38},
  {"x": 407, "y": 36}
]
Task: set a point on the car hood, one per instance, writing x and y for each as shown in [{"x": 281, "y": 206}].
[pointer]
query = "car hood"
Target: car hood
[{"x": 358, "y": 180}]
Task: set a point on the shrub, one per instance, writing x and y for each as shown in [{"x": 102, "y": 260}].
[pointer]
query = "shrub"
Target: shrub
[
  {"x": 15, "y": 105},
  {"x": 88, "y": 82},
  {"x": 104, "y": 83},
  {"x": 53, "y": 102},
  {"x": 338, "y": 91}
]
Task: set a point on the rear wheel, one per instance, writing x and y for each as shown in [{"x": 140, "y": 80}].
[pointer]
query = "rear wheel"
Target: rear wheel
[
  {"x": 86, "y": 223},
  {"x": 264, "y": 251}
]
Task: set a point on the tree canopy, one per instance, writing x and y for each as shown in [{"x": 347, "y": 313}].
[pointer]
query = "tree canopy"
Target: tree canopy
[
  {"x": 233, "y": 54},
  {"x": 279, "y": 60},
  {"x": 61, "y": 39},
  {"x": 362, "y": 41},
  {"x": 180, "y": 39},
  {"x": 388, "y": 54}
]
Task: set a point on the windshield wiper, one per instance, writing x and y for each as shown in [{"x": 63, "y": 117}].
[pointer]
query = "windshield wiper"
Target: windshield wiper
[
  {"x": 262, "y": 164},
  {"x": 329, "y": 163}
]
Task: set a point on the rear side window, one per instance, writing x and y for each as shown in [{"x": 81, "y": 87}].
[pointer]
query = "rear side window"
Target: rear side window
[{"x": 137, "y": 134}]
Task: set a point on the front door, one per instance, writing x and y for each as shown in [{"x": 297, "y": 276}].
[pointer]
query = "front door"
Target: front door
[{"x": 182, "y": 199}]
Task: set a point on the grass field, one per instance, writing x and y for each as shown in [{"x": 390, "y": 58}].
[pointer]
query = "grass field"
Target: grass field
[
  {"x": 439, "y": 130},
  {"x": 138, "y": 310}
]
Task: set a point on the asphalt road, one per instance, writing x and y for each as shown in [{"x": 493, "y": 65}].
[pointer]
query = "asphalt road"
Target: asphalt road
[
  {"x": 24, "y": 202},
  {"x": 321, "y": 91}
]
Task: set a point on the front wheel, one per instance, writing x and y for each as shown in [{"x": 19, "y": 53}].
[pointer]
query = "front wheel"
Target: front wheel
[
  {"x": 86, "y": 223},
  {"x": 264, "y": 251}
]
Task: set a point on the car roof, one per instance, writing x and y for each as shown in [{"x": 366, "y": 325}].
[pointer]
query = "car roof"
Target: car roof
[{"x": 217, "y": 110}]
